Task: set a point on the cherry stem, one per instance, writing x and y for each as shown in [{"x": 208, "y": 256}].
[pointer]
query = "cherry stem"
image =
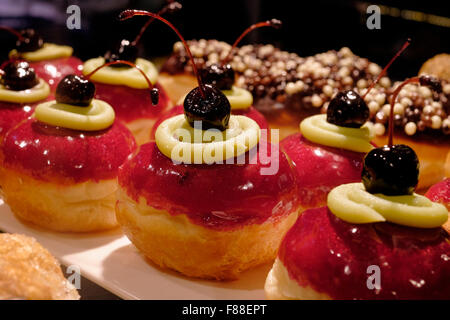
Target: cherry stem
[
  {"x": 127, "y": 14},
  {"x": 393, "y": 99},
  {"x": 274, "y": 23},
  {"x": 11, "y": 30},
  {"x": 131, "y": 64},
  {"x": 172, "y": 7},
  {"x": 383, "y": 72}
]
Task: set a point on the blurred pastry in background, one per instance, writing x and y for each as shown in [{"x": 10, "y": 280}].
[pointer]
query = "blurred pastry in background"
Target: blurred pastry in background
[
  {"x": 29, "y": 272},
  {"x": 438, "y": 66}
]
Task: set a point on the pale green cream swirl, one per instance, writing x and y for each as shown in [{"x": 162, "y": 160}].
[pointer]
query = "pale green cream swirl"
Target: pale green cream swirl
[
  {"x": 352, "y": 203},
  {"x": 317, "y": 129}
]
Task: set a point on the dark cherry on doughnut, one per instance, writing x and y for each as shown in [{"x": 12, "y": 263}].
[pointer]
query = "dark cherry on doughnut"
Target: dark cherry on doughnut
[
  {"x": 394, "y": 169},
  {"x": 79, "y": 90},
  {"x": 52, "y": 71},
  {"x": 18, "y": 75}
]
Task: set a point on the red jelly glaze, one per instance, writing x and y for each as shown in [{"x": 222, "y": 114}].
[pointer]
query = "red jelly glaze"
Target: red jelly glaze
[
  {"x": 249, "y": 112},
  {"x": 218, "y": 196},
  {"x": 13, "y": 113},
  {"x": 132, "y": 104},
  {"x": 62, "y": 155},
  {"x": 440, "y": 192},
  {"x": 332, "y": 256},
  {"x": 320, "y": 168},
  {"x": 52, "y": 71}
]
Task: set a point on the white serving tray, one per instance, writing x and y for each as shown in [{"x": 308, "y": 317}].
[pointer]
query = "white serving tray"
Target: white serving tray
[{"x": 111, "y": 261}]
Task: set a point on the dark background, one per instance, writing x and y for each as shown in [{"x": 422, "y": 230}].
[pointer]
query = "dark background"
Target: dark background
[{"x": 309, "y": 26}]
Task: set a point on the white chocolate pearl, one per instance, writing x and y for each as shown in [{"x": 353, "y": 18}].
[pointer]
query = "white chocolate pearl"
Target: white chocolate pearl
[
  {"x": 410, "y": 128},
  {"x": 328, "y": 90},
  {"x": 425, "y": 92},
  {"x": 346, "y": 52},
  {"x": 290, "y": 88},
  {"x": 347, "y": 80},
  {"x": 374, "y": 69},
  {"x": 406, "y": 102},
  {"x": 386, "y": 108},
  {"x": 385, "y": 82},
  {"x": 343, "y": 72},
  {"x": 316, "y": 101},
  {"x": 380, "y": 98},
  {"x": 178, "y": 46},
  {"x": 379, "y": 129},
  {"x": 446, "y": 88},
  {"x": 436, "y": 122},
  {"x": 373, "y": 107},
  {"x": 446, "y": 122},
  {"x": 399, "y": 108},
  {"x": 362, "y": 83},
  {"x": 436, "y": 105},
  {"x": 428, "y": 109},
  {"x": 300, "y": 85}
]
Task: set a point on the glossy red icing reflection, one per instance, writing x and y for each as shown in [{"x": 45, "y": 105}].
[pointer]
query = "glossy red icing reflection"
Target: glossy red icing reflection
[
  {"x": 332, "y": 257},
  {"x": 218, "y": 196},
  {"x": 132, "y": 104},
  {"x": 61, "y": 155},
  {"x": 320, "y": 168},
  {"x": 250, "y": 112},
  {"x": 52, "y": 71},
  {"x": 440, "y": 192},
  {"x": 13, "y": 113}
]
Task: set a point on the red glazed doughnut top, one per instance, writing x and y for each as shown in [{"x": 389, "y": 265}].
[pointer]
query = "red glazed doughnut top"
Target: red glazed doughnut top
[
  {"x": 331, "y": 256},
  {"x": 65, "y": 156},
  {"x": 440, "y": 193},
  {"x": 218, "y": 196},
  {"x": 12, "y": 113},
  {"x": 130, "y": 104},
  {"x": 321, "y": 168}
]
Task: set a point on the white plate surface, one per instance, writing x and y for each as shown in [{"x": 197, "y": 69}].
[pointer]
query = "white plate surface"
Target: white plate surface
[{"x": 111, "y": 261}]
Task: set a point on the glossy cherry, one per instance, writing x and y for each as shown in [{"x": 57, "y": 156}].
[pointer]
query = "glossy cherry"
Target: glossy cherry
[
  {"x": 125, "y": 50},
  {"x": 213, "y": 110},
  {"x": 391, "y": 170},
  {"x": 348, "y": 108},
  {"x": 30, "y": 40},
  {"x": 222, "y": 74},
  {"x": 394, "y": 169},
  {"x": 18, "y": 75},
  {"x": 79, "y": 91},
  {"x": 204, "y": 103},
  {"x": 75, "y": 90}
]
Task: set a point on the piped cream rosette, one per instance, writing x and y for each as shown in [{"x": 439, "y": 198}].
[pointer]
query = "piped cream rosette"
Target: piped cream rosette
[
  {"x": 124, "y": 76},
  {"x": 352, "y": 203},
  {"x": 240, "y": 99},
  {"x": 37, "y": 93},
  {"x": 182, "y": 143},
  {"x": 49, "y": 51},
  {"x": 97, "y": 116},
  {"x": 317, "y": 129}
]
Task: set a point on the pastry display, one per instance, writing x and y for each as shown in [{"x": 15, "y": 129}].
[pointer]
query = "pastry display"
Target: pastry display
[
  {"x": 286, "y": 88},
  {"x": 20, "y": 91},
  {"x": 125, "y": 89},
  {"x": 29, "y": 272},
  {"x": 60, "y": 166},
  {"x": 377, "y": 228},
  {"x": 201, "y": 199},
  {"x": 222, "y": 75},
  {"x": 50, "y": 61},
  {"x": 330, "y": 148}
]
